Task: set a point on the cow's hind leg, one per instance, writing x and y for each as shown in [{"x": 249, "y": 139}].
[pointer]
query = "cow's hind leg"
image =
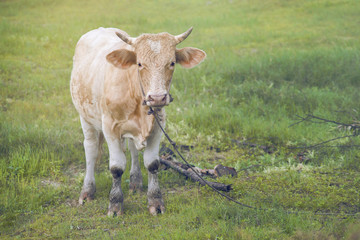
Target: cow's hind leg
[
  {"x": 152, "y": 163},
  {"x": 93, "y": 140},
  {"x": 136, "y": 180}
]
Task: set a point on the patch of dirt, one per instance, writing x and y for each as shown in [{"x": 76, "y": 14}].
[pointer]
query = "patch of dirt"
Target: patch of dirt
[{"x": 48, "y": 182}]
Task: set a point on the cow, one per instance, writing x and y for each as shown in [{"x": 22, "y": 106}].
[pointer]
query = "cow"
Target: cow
[{"x": 116, "y": 79}]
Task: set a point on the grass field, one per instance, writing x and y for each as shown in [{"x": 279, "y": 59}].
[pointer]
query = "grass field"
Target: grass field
[{"x": 268, "y": 62}]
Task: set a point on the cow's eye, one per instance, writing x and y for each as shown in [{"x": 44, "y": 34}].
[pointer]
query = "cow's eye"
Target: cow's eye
[
  {"x": 172, "y": 64},
  {"x": 139, "y": 64}
]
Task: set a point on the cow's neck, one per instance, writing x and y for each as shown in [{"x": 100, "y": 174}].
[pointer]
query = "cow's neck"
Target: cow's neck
[{"x": 140, "y": 123}]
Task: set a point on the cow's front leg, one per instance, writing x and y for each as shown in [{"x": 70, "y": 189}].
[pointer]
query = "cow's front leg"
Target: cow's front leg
[
  {"x": 152, "y": 163},
  {"x": 117, "y": 167},
  {"x": 155, "y": 201},
  {"x": 116, "y": 196}
]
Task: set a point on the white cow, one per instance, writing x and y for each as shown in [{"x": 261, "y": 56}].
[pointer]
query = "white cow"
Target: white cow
[{"x": 114, "y": 81}]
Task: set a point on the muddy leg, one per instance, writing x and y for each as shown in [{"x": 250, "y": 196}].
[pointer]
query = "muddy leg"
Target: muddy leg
[
  {"x": 116, "y": 196},
  {"x": 155, "y": 201},
  {"x": 117, "y": 166},
  {"x": 152, "y": 163},
  {"x": 92, "y": 144}
]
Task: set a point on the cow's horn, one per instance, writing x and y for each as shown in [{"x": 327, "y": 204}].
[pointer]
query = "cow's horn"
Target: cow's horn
[
  {"x": 126, "y": 38},
  {"x": 183, "y": 36}
]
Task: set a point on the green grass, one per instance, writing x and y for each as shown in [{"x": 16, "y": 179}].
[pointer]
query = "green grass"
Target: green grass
[{"x": 268, "y": 61}]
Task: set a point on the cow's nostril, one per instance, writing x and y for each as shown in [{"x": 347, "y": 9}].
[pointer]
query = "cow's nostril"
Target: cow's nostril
[{"x": 157, "y": 100}]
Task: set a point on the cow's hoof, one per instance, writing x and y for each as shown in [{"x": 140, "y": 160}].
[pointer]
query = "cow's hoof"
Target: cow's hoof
[
  {"x": 136, "y": 183},
  {"x": 115, "y": 210},
  {"x": 134, "y": 188},
  {"x": 157, "y": 206},
  {"x": 86, "y": 196},
  {"x": 87, "y": 192}
]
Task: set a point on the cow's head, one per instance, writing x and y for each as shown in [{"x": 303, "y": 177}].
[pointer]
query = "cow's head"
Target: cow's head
[{"x": 155, "y": 56}]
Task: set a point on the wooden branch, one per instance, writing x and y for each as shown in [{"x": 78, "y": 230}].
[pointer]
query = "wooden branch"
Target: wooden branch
[{"x": 190, "y": 174}]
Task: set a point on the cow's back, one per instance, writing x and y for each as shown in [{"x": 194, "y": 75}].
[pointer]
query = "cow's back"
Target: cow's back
[{"x": 88, "y": 74}]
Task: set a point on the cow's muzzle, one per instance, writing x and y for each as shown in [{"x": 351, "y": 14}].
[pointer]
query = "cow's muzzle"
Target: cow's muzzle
[{"x": 158, "y": 100}]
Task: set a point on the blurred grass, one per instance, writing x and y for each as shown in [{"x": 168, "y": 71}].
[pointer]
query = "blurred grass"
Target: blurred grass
[{"x": 268, "y": 61}]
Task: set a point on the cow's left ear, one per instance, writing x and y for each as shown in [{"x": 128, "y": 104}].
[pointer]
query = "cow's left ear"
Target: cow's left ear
[
  {"x": 189, "y": 57},
  {"x": 122, "y": 58}
]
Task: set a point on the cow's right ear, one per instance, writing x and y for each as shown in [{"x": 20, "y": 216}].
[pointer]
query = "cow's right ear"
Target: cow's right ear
[{"x": 122, "y": 58}]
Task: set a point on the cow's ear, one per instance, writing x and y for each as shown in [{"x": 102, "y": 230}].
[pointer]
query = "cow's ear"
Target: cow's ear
[
  {"x": 122, "y": 58},
  {"x": 189, "y": 57}
]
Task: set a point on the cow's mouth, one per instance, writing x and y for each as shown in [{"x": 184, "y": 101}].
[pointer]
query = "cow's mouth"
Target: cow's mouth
[{"x": 156, "y": 105}]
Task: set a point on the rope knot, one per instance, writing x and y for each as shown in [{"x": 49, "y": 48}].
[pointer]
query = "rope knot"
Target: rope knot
[{"x": 151, "y": 111}]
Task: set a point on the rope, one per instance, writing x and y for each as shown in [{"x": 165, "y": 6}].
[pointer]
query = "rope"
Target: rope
[
  {"x": 173, "y": 144},
  {"x": 179, "y": 154}
]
